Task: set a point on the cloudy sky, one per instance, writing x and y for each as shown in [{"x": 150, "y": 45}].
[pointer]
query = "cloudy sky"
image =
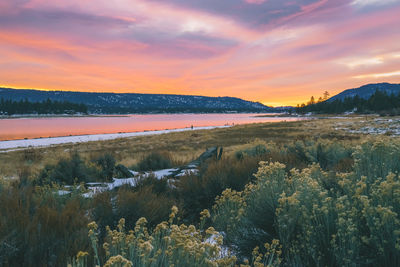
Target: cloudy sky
[{"x": 277, "y": 52}]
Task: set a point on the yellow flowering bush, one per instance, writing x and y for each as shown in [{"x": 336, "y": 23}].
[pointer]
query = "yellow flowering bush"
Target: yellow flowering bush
[
  {"x": 169, "y": 244},
  {"x": 320, "y": 218}
]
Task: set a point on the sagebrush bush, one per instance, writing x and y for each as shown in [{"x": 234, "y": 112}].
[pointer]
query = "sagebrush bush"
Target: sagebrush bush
[
  {"x": 377, "y": 159},
  {"x": 169, "y": 244},
  {"x": 320, "y": 218},
  {"x": 328, "y": 154},
  {"x": 76, "y": 170},
  {"x": 257, "y": 150},
  {"x": 144, "y": 203},
  {"x": 106, "y": 164},
  {"x": 67, "y": 171},
  {"x": 198, "y": 192},
  {"x": 155, "y": 161}
]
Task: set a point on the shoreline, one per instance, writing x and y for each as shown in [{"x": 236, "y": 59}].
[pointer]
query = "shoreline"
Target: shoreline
[
  {"x": 20, "y": 144},
  {"x": 39, "y": 116},
  {"x": 46, "y": 116}
]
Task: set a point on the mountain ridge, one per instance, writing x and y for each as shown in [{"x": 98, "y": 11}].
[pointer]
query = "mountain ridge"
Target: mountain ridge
[
  {"x": 367, "y": 90},
  {"x": 107, "y": 102}
]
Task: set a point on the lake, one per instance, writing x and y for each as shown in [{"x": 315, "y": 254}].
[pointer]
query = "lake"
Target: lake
[{"x": 41, "y": 127}]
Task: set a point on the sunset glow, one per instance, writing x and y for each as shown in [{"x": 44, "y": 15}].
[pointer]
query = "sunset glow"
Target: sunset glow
[{"x": 272, "y": 51}]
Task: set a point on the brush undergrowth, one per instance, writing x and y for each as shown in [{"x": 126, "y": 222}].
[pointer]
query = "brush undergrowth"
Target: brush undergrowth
[
  {"x": 312, "y": 202},
  {"x": 320, "y": 218}
]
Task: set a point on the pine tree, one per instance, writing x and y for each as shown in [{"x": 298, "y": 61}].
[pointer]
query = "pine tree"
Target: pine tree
[{"x": 326, "y": 95}]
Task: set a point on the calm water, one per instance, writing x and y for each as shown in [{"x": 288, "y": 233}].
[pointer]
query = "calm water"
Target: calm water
[{"x": 12, "y": 129}]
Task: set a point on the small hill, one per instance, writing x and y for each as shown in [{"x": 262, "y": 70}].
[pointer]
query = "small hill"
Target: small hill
[
  {"x": 366, "y": 91},
  {"x": 138, "y": 103}
]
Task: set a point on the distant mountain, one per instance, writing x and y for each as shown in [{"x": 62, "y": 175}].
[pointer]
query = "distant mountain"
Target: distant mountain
[
  {"x": 138, "y": 103},
  {"x": 283, "y": 108},
  {"x": 381, "y": 98},
  {"x": 366, "y": 91}
]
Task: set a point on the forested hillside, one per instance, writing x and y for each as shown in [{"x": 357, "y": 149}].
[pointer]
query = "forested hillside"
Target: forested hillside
[
  {"x": 366, "y": 91},
  {"x": 103, "y": 103},
  {"x": 378, "y": 102},
  {"x": 10, "y": 107}
]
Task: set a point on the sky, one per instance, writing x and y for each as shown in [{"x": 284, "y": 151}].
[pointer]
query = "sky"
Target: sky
[{"x": 276, "y": 52}]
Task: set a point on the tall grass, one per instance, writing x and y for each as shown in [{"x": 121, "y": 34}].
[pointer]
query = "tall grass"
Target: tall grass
[{"x": 39, "y": 228}]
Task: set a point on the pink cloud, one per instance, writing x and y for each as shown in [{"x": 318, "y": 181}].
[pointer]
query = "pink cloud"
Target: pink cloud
[{"x": 255, "y": 1}]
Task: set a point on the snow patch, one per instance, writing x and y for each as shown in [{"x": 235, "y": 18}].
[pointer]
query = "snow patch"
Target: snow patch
[
  {"x": 187, "y": 172},
  {"x": 63, "y": 192},
  {"x": 98, "y": 187}
]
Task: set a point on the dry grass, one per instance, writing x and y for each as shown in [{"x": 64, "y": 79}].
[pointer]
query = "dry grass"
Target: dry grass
[{"x": 184, "y": 146}]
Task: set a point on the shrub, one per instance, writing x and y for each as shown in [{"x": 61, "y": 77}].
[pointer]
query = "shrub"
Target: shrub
[
  {"x": 67, "y": 171},
  {"x": 168, "y": 244},
  {"x": 155, "y": 161},
  {"x": 377, "y": 159},
  {"x": 353, "y": 221},
  {"x": 122, "y": 172},
  {"x": 32, "y": 155},
  {"x": 107, "y": 166},
  {"x": 102, "y": 211},
  {"x": 76, "y": 170},
  {"x": 133, "y": 205},
  {"x": 157, "y": 186},
  {"x": 198, "y": 192},
  {"x": 327, "y": 154},
  {"x": 257, "y": 150},
  {"x": 40, "y": 228}
]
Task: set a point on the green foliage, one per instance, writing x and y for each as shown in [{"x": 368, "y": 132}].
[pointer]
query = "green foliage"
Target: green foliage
[
  {"x": 378, "y": 102},
  {"x": 76, "y": 170},
  {"x": 150, "y": 197},
  {"x": 157, "y": 186},
  {"x": 252, "y": 152},
  {"x": 66, "y": 171},
  {"x": 10, "y": 107},
  {"x": 106, "y": 163},
  {"x": 377, "y": 159},
  {"x": 122, "y": 172},
  {"x": 155, "y": 161},
  {"x": 198, "y": 192},
  {"x": 328, "y": 154},
  {"x": 40, "y": 228},
  {"x": 168, "y": 244},
  {"x": 31, "y": 155},
  {"x": 103, "y": 211},
  {"x": 133, "y": 205},
  {"x": 349, "y": 219}
]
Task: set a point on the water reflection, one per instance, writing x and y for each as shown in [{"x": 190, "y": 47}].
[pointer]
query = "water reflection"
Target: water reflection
[{"x": 12, "y": 129}]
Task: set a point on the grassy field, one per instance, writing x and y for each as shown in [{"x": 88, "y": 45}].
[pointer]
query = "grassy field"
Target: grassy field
[{"x": 185, "y": 146}]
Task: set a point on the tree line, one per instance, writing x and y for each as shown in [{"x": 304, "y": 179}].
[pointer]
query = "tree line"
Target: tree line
[
  {"x": 169, "y": 110},
  {"x": 379, "y": 102},
  {"x": 10, "y": 107}
]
